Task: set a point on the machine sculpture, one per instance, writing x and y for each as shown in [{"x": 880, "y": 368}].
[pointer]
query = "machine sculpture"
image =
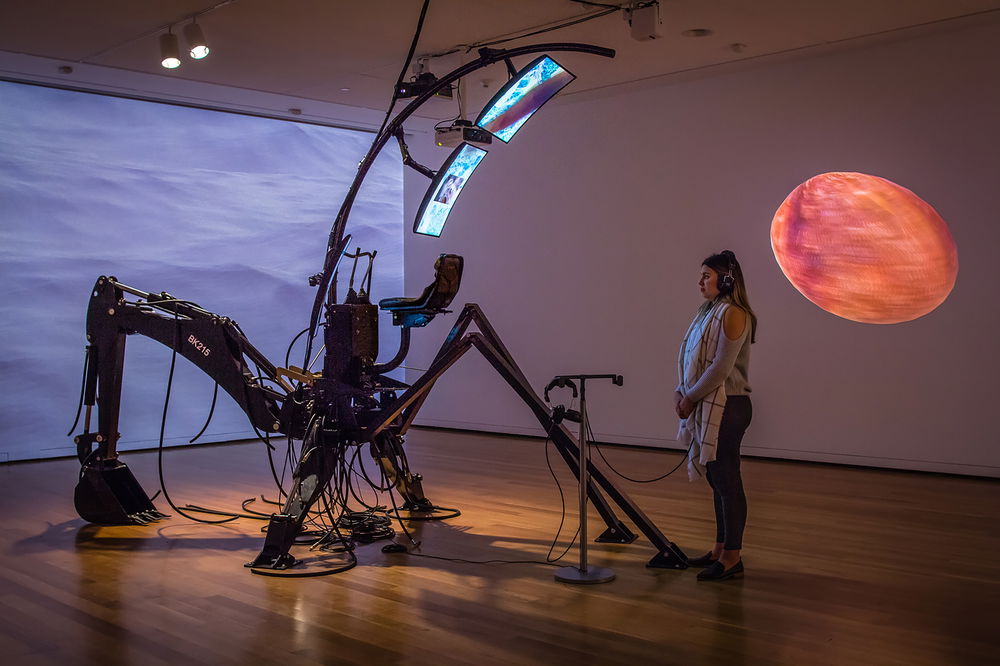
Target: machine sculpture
[{"x": 351, "y": 402}]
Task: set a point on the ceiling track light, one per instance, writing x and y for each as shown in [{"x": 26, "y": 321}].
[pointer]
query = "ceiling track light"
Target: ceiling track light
[
  {"x": 196, "y": 40},
  {"x": 170, "y": 54}
]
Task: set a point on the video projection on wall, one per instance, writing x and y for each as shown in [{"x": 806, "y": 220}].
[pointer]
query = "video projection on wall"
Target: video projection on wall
[
  {"x": 841, "y": 237},
  {"x": 229, "y": 211}
]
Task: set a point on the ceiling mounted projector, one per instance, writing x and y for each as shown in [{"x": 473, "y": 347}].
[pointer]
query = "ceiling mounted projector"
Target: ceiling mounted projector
[
  {"x": 421, "y": 84},
  {"x": 461, "y": 130},
  {"x": 644, "y": 20}
]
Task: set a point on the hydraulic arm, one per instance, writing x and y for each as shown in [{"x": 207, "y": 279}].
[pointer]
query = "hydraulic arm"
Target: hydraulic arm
[{"x": 107, "y": 492}]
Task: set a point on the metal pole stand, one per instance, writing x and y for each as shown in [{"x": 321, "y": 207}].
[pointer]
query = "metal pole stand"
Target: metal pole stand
[{"x": 584, "y": 574}]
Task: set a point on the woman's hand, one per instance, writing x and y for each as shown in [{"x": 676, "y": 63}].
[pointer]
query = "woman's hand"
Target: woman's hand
[
  {"x": 684, "y": 407},
  {"x": 678, "y": 397}
]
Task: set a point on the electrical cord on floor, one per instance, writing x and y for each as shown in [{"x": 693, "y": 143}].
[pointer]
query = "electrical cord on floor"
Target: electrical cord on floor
[
  {"x": 248, "y": 500},
  {"x": 366, "y": 526},
  {"x": 331, "y": 533},
  {"x": 450, "y": 512},
  {"x": 217, "y": 512},
  {"x": 549, "y": 560},
  {"x": 465, "y": 561},
  {"x": 267, "y": 501}
]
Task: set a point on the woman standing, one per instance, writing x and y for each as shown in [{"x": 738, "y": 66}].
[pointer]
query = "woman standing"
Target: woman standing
[{"x": 713, "y": 401}]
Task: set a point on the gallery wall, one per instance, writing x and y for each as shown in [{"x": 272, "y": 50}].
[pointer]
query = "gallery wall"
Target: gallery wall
[{"x": 583, "y": 238}]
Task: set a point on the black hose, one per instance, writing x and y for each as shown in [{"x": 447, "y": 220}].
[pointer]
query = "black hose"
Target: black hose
[
  {"x": 163, "y": 426},
  {"x": 83, "y": 388},
  {"x": 288, "y": 352},
  {"x": 628, "y": 478},
  {"x": 211, "y": 411}
]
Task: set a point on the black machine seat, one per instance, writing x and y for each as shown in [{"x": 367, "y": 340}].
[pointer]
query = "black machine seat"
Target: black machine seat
[{"x": 407, "y": 312}]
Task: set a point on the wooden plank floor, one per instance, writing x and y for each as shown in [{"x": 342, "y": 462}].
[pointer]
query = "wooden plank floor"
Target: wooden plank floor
[{"x": 844, "y": 566}]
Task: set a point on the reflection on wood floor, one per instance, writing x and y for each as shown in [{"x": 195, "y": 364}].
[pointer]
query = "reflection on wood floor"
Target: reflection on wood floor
[{"x": 844, "y": 566}]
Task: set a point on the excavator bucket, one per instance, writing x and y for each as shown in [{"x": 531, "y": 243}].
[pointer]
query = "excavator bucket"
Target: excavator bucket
[{"x": 109, "y": 494}]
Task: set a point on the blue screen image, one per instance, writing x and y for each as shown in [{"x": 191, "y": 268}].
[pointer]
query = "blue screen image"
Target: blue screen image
[
  {"x": 230, "y": 211},
  {"x": 520, "y": 98},
  {"x": 446, "y": 187}
]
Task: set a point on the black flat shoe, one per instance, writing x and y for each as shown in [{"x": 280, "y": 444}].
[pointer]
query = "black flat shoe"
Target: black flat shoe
[
  {"x": 705, "y": 560},
  {"x": 719, "y": 572}
]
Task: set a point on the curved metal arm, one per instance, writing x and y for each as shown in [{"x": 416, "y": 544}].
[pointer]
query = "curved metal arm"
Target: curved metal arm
[
  {"x": 408, "y": 160},
  {"x": 404, "y": 348},
  {"x": 213, "y": 343},
  {"x": 486, "y": 57}
]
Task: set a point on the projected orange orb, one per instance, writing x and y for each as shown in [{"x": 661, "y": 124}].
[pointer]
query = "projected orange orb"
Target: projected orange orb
[{"x": 864, "y": 248}]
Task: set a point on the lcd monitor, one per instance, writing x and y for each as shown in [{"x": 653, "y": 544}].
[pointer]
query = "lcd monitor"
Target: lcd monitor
[
  {"x": 524, "y": 94},
  {"x": 445, "y": 188}
]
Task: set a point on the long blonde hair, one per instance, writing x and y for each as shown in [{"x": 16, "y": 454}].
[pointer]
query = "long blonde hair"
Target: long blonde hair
[{"x": 726, "y": 265}]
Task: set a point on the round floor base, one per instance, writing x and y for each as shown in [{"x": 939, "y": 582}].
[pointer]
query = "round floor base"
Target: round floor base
[{"x": 590, "y": 576}]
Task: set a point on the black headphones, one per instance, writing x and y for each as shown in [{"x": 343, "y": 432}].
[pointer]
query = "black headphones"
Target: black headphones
[
  {"x": 727, "y": 280},
  {"x": 560, "y": 412}
]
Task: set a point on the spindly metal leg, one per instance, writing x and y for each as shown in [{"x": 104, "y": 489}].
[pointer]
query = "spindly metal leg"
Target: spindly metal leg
[
  {"x": 489, "y": 344},
  {"x": 313, "y": 474}
]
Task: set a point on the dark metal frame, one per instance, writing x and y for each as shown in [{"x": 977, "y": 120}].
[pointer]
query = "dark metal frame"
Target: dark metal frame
[
  {"x": 490, "y": 345},
  {"x": 337, "y": 243},
  {"x": 328, "y": 411}
]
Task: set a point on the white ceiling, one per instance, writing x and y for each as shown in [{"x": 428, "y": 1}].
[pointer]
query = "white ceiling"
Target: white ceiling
[{"x": 350, "y": 53}]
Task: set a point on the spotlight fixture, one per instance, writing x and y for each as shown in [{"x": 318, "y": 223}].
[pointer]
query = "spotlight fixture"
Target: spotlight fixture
[
  {"x": 196, "y": 40},
  {"x": 170, "y": 54}
]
